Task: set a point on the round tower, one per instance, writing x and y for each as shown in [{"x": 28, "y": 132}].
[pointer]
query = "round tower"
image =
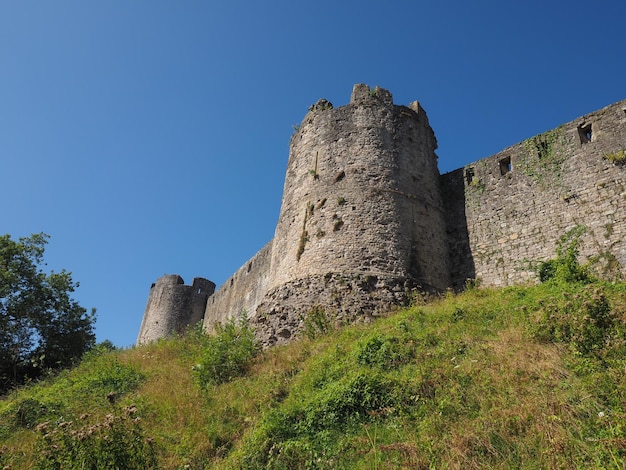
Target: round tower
[
  {"x": 172, "y": 306},
  {"x": 362, "y": 194},
  {"x": 361, "y": 206}
]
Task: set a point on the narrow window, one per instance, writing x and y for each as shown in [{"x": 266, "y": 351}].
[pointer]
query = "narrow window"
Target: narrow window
[
  {"x": 584, "y": 132},
  {"x": 505, "y": 165},
  {"x": 469, "y": 175}
]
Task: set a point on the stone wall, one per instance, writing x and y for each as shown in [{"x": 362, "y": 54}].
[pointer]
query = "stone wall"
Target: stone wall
[
  {"x": 242, "y": 293},
  {"x": 362, "y": 195},
  {"x": 342, "y": 297},
  {"x": 366, "y": 218},
  {"x": 510, "y": 209},
  {"x": 172, "y": 306}
]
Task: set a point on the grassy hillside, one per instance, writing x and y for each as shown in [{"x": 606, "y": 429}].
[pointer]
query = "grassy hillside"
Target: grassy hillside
[{"x": 524, "y": 377}]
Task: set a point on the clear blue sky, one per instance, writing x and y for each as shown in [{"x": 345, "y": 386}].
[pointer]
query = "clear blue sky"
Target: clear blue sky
[{"x": 151, "y": 137}]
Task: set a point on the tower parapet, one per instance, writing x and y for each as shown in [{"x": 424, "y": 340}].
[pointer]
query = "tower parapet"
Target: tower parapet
[{"x": 172, "y": 306}]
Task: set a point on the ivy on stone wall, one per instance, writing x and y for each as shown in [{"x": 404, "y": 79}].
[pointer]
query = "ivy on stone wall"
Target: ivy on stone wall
[
  {"x": 617, "y": 158},
  {"x": 476, "y": 185},
  {"x": 545, "y": 155}
]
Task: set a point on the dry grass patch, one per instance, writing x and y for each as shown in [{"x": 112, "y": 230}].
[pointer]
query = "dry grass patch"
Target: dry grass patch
[{"x": 528, "y": 400}]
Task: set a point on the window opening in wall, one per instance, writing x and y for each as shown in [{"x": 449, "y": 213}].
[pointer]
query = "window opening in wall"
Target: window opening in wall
[
  {"x": 584, "y": 132},
  {"x": 469, "y": 175},
  {"x": 505, "y": 165}
]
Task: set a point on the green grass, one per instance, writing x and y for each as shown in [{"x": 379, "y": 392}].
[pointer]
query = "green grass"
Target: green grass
[{"x": 520, "y": 377}]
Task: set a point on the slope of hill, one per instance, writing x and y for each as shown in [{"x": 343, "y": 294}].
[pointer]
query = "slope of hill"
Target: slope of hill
[{"x": 520, "y": 377}]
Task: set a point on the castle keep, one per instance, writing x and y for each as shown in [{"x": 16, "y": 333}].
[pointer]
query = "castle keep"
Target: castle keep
[{"x": 366, "y": 218}]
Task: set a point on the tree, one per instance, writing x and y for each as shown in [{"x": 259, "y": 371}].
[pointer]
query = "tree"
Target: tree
[{"x": 41, "y": 326}]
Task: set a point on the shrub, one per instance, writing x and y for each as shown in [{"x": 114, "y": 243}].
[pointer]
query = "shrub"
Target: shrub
[
  {"x": 303, "y": 434},
  {"x": 316, "y": 323},
  {"x": 583, "y": 320},
  {"x": 108, "y": 375},
  {"x": 227, "y": 354},
  {"x": 384, "y": 351},
  {"x": 116, "y": 442},
  {"x": 30, "y": 411},
  {"x": 565, "y": 267}
]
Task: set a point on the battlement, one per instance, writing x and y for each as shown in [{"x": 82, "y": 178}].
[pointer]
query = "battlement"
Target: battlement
[
  {"x": 366, "y": 218},
  {"x": 363, "y": 95}
]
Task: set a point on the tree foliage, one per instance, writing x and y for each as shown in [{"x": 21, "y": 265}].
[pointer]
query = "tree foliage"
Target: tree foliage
[{"x": 41, "y": 326}]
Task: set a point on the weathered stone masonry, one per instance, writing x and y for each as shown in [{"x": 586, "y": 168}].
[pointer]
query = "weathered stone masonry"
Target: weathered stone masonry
[
  {"x": 366, "y": 217},
  {"x": 172, "y": 306},
  {"x": 512, "y": 208}
]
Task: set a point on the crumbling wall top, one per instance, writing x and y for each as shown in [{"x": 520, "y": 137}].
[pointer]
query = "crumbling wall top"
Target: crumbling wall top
[
  {"x": 321, "y": 105},
  {"x": 202, "y": 285},
  {"x": 362, "y": 94},
  {"x": 415, "y": 106},
  {"x": 169, "y": 280}
]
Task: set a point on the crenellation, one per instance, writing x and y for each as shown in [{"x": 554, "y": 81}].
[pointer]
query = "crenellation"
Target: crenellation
[{"x": 366, "y": 218}]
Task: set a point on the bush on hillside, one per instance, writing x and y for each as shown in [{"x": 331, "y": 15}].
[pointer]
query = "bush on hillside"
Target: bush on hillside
[
  {"x": 584, "y": 320},
  {"x": 227, "y": 354},
  {"x": 115, "y": 442}
]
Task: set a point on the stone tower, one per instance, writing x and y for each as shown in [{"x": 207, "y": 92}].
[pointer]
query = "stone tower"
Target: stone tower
[
  {"x": 361, "y": 221},
  {"x": 172, "y": 306}
]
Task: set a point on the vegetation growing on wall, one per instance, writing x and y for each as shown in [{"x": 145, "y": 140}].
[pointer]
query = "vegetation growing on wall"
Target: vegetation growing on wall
[
  {"x": 476, "y": 185},
  {"x": 617, "y": 158},
  {"x": 565, "y": 267},
  {"x": 317, "y": 322},
  {"x": 304, "y": 236},
  {"x": 606, "y": 265},
  {"x": 544, "y": 157}
]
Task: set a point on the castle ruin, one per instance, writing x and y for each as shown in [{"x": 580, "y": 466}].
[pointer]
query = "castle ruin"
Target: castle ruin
[
  {"x": 172, "y": 306},
  {"x": 366, "y": 218}
]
